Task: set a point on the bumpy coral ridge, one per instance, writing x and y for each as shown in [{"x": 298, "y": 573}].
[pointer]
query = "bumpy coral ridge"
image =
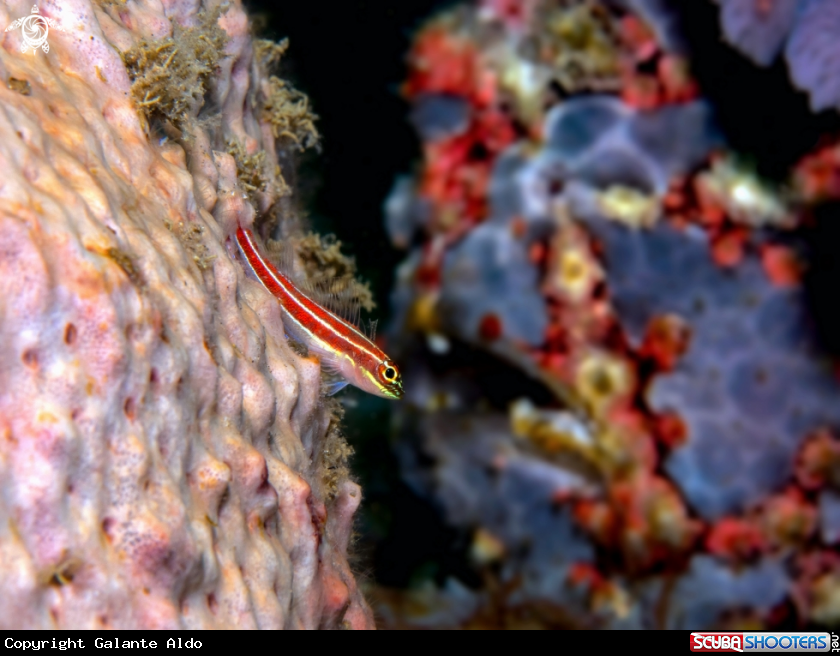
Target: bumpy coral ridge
[{"x": 161, "y": 447}]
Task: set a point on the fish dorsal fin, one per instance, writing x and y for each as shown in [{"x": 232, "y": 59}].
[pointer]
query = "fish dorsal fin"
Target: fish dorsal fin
[
  {"x": 371, "y": 331},
  {"x": 338, "y": 295},
  {"x": 283, "y": 256}
]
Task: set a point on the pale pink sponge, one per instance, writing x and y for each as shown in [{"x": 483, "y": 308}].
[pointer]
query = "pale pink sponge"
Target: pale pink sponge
[{"x": 165, "y": 457}]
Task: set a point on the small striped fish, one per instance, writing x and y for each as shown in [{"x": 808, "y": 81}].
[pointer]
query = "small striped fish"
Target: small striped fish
[{"x": 342, "y": 349}]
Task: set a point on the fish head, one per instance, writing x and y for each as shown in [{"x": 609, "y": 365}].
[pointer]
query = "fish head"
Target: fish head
[{"x": 388, "y": 380}]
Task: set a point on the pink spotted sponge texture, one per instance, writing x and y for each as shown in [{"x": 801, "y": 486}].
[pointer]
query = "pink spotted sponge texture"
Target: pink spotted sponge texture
[{"x": 162, "y": 449}]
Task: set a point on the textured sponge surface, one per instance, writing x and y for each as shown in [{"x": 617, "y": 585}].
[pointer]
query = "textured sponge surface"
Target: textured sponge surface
[{"x": 160, "y": 444}]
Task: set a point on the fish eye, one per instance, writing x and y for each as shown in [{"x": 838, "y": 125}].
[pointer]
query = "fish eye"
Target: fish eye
[{"x": 388, "y": 372}]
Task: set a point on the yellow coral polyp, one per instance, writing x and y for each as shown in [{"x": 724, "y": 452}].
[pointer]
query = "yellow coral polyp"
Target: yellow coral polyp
[
  {"x": 553, "y": 431},
  {"x": 826, "y": 608},
  {"x": 422, "y": 315},
  {"x": 612, "y": 598},
  {"x": 615, "y": 456},
  {"x": 582, "y": 47},
  {"x": 629, "y": 206},
  {"x": 668, "y": 520},
  {"x": 574, "y": 275},
  {"x": 573, "y": 272},
  {"x": 601, "y": 378},
  {"x": 486, "y": 548},
  {"x": 744, "y": 197},
  {"x": 526, "y": 81}
]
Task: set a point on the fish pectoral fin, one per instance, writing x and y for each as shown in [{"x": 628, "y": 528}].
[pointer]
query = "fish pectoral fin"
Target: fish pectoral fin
[
  {"x": 330, "y": 369},
  {"x": 329, "y": 363},
  {"x": 334, "y": 386},
  {"x": 328, "y": 359}
]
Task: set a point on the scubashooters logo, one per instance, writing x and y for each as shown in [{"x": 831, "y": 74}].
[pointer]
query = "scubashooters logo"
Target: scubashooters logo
[
  {"x": 35, "y": 29},
  {"x": 766, "y": 642},
  {"x": 717, "y": 642}
]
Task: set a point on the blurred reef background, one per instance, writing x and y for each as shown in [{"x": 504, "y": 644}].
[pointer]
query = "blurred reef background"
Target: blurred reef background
[{"x": 615, "y": 231}]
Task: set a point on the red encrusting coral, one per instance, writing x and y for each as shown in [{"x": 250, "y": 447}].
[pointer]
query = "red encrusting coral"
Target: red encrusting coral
[
  {"x": 643, "y": 521},
  {"x": 728, "y": 245},
  {"x": 818, "y": 462},
  {"x": 736, "y": 538},
  {"x": 788, "y": 518},
  {"x": 781, "y": 265},
  {"x": 490, "y": 327},
  {"x": 817, "y": 176},
  {"x": 669, "y": 83},
  {"x": 515, "y": 14},
  {"x": 447, "y": 63},
  {"x": 456, "y": 170},
  {"x": 666, "y": 339}
]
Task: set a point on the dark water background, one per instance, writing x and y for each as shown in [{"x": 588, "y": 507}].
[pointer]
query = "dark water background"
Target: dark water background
[{"x": 349, "y": 58}]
